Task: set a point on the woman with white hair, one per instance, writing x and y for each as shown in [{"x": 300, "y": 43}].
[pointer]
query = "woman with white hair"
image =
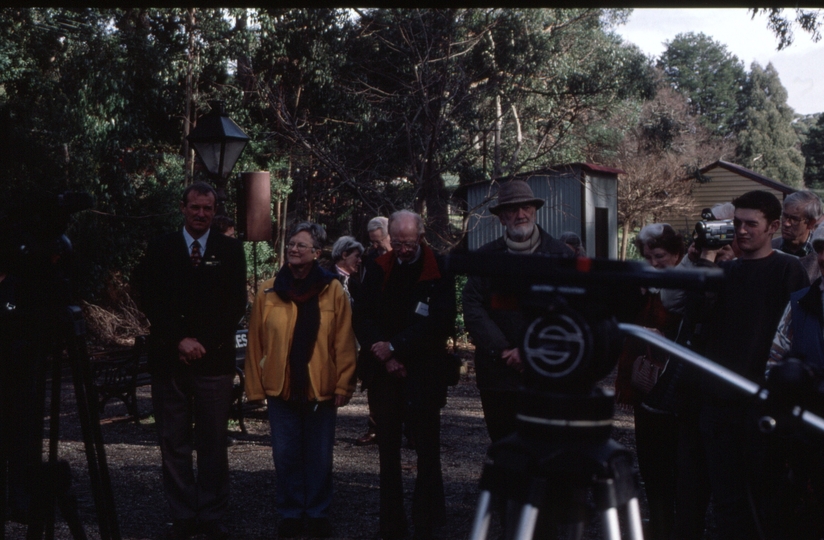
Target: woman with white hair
[
  {"x": 656, "y": 434},
  {"x": 346, "y": 255},
  {"x": 301, "y": 359}
]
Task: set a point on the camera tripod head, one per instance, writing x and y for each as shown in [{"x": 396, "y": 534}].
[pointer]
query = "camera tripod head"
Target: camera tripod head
[{"x": 574, "y": 306}]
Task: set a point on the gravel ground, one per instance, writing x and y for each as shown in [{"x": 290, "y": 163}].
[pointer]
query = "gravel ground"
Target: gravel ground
[{"x": 134, "y": 464}]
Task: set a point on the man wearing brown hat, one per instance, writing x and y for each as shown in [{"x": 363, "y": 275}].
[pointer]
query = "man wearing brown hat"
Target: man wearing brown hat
[{"x": 497, "y": 333}]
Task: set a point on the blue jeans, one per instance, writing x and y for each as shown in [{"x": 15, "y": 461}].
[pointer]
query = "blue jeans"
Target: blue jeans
[{"x": 303, "y": 435}]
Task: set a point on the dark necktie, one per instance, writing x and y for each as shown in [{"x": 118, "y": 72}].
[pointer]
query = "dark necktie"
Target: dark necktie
[{"x": 195, "y": 253}]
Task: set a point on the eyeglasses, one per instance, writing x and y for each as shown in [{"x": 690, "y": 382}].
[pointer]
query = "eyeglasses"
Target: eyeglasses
[
  {"x": 795, "y": 220},
  {"x": 300, "y": 246},
  {"x": 406, "y": 245}
]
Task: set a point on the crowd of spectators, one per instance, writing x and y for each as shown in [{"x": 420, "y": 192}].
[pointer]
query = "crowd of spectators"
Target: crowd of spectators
[{"x": 383, "y": 315}]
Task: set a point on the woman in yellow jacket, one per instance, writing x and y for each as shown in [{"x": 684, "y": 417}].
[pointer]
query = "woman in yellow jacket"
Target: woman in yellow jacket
[{"x": 301, "y": 358}]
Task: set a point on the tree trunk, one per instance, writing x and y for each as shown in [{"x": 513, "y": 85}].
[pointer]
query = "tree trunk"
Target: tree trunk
[
  {"x": 188, "y": 121},
  {"x": 244, "y": 64},
  {"x": 496, "y": 151},
  {"x": 624, "y": 239}
]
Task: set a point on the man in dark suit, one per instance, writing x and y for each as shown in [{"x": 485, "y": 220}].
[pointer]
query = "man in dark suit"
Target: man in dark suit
[
  {"x": 194, "y": 294},
  {"x": 404, "y": 317}
]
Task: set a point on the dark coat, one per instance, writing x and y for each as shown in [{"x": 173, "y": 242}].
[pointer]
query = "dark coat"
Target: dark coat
[
  {"x": 808, "y": 261},
  {"x": 807, "y": 322},
  {"x": 492, "y": 331},
  {"x": 205, "y": 303},
  {"x": 421, "y": 344}
]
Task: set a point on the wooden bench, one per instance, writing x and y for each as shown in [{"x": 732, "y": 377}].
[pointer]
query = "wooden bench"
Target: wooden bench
[{"x": 118, "y": 373}]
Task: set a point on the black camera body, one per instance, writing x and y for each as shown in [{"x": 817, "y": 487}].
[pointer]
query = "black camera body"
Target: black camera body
[{"x": 713, "y": 233}]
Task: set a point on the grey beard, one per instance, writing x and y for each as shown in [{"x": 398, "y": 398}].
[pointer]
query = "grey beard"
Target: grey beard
[{"x": 517, "y": 236}]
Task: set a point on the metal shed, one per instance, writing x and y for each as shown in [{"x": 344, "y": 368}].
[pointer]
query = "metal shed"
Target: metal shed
[{"x": 580, "y": 197}]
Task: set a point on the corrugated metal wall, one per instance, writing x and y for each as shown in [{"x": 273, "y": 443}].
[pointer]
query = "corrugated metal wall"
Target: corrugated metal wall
[{"x": 561, "y": 212}]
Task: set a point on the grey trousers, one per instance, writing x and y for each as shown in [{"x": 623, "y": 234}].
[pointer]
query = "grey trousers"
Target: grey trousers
[{"x": 191, "y": 413}]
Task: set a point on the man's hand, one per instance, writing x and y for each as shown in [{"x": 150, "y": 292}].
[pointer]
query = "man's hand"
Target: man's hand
[
  {"x": 512, "y": 357},
  {"x": 395, "y": 368},
  {"x": 709, "y": 254},
  {"x": 190, "y": 349},
  {"x": 341, "y": 401},
  {"x": 381, "y": 350}
]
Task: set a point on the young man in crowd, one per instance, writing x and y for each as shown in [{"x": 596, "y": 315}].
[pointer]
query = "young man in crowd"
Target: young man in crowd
[{"x": 733, "y": 328}]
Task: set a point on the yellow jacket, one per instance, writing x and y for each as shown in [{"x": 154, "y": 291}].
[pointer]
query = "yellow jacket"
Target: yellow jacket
[{"x": 271, "y": 328}]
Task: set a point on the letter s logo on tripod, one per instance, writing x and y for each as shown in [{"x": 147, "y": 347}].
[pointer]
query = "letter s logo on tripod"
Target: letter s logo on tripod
[{"x": 556, "y": 345}]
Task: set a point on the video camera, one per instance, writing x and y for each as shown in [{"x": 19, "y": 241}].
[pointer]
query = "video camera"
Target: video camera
[
  {"x": 713, "y": 233},
  {"x": 32, "y": 232}
]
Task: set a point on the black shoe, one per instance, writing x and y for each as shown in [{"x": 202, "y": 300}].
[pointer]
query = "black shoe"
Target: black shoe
[
  {"x": 182, "y": 529},
  {"x": 318, "y": 528},
  {"x": 424, "y": 533},
  {"x": 396, "y": 534},
  {"x": 213, "y": 530},
  {"x": 290, "y": 528},
  {"x": 369, "y": 438}
]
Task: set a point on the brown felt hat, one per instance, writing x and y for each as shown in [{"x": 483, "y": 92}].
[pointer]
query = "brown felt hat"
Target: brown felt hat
[{"x": 515, "y": 193}]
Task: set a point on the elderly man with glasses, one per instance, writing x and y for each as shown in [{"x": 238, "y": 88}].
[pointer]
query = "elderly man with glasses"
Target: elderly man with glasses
[
  {"x": 404, "y": 318},
  {"x": 799, "y": 218}
]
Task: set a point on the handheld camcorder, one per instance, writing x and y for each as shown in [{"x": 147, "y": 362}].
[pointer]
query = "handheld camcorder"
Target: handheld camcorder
[{"x": 713, "y": 233}]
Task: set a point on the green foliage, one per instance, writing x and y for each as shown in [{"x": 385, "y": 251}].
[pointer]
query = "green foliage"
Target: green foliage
[
  {"x": 813, "y": 149},
  {"x": 709, "y": 75},
  {"x": 93, "y": 101},
  {"x": 460, "y": 325},
  {"x": 767, "y": 142},
  {"x": 808, "y": 20}
]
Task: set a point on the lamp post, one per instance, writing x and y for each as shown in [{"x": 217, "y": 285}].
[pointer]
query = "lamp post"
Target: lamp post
[{"x": 219, "y": 142}]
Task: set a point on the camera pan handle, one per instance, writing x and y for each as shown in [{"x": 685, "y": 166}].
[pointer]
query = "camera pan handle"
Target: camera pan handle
[{"x": 727, "y": 375}]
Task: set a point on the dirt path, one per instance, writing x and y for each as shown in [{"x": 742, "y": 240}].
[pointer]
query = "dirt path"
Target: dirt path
[{"x": 134, "y": 463}]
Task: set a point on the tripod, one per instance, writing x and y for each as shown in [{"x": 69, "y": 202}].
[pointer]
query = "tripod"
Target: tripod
[
  {"x": 53, "y": 330},
  {"x": 560, "y": 453}
]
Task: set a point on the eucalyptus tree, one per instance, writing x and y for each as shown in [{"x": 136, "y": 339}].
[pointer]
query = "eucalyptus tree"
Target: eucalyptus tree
[
  {"x": 379, "y": 106},
  {"x": 813, "y": 149},
  {"x": 661, "y": 148},
  {"x": 782, "y": 25},
  {"x": 498, "y": 90},
  {"x": 767, "y": 141},
  {"x": 710, "y": 76}
]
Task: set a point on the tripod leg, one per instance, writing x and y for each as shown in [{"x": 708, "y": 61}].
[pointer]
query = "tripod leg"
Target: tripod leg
[
  {"x": 526, "y": 524},
  {"x": 483, "y": 513},
  {"x": 66, "y": 500},
  {"x": 529, "y": 511},
  {"x": 54, "y": 435},
  {"x": 610, "y": 524},
  {"x": 90, "y": 423},
  {"x": 633, "y": 514},
  {"x": 606, "y": 501}
]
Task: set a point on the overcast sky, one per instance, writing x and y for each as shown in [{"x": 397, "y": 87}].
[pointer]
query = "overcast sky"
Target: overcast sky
[{"x": 800, "y": 66}]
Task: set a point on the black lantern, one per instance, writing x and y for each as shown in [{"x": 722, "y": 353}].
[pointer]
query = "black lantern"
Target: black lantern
[{"x": 219, "y": 142}]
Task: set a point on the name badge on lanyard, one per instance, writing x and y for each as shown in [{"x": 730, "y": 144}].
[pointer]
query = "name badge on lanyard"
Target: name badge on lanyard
[{"x": 422, "y": 309}]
